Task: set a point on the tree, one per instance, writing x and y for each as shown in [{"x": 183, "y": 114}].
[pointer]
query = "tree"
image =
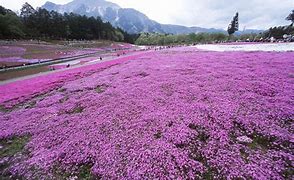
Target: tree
[
  {"x": 291, "y": 17},
  {"x": 218, "y": 37},
  {"x": 234, "y": 25},
  {"x": 26, "y": 11},
  {"x": 3, "y": 11},
  {"x": 43, "y": 24},
  {"x": 10, "y": 25}
]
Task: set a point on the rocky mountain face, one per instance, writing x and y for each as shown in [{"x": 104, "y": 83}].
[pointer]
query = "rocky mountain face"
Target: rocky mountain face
[{"x": 128, "y": 19}]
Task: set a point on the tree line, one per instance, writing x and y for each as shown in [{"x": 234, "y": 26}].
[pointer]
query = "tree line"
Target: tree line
[
  {"x": 41, "y": 24},
  {"x": 170, "y": 39},
  {"x": 280, "y": 31},
  {"x": 275, "y": 32}
]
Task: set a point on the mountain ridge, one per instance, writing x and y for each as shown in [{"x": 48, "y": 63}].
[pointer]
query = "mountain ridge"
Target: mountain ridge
[{"x": 128, "y": 19}]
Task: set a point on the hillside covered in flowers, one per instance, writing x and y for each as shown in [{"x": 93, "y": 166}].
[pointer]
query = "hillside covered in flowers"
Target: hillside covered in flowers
[{"x": 177, "y": 113}]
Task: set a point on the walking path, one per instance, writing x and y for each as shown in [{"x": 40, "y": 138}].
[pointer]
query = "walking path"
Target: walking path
[
  {"x": 105, "y": 59},
  {"x": 19, "y": 90}
]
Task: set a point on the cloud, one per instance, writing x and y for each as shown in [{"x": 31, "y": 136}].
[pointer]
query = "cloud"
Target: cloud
[
  {"x": 215, "y": 13},
  {"x": 258, "y": 14},
  {"x": 17, "y": 4}
]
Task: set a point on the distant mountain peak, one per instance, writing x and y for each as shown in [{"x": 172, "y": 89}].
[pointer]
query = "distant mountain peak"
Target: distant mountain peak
[
  {"x": 49, "y": 3},
  {"x": 128, "y": 19},
  {"x": 93, "y": 3}
]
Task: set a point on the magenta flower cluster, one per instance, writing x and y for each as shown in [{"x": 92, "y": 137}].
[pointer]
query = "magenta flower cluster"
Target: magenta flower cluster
[{"x": 172, "y": 114}]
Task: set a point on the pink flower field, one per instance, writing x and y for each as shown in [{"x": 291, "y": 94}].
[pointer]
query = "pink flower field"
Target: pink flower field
[
  {"x": 172, "y": 114},
  {"x": 26, "y": 52}
]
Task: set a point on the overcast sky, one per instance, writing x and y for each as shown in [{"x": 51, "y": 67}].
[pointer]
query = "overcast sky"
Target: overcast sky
[{"x": 254, "y": 14}]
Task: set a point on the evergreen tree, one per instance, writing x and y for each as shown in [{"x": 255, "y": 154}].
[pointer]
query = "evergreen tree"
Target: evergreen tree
[
  {"x": 234, "y": 25},
  {"x": 41, "y": 23},
  {"x": 291, "y": 17},
  {"x": 3, "y": 11},
  {"x": 26, "y": 11},
  {"x": 10, "y": 24}
]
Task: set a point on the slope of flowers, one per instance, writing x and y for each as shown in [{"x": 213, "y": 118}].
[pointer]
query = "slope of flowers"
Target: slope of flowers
[
  {"x": 12, "y": 94},
  {"x": 33, "y": 53},
  {"x": 166, "y": 115}
]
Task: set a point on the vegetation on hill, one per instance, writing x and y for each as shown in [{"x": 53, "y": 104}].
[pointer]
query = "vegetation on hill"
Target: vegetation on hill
[
  {"x": 280, "y": 31},
  {"x": 40, "y": 23},
  {"x": 169, "y": 39},
  {"x": 10, "y": 24}
]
